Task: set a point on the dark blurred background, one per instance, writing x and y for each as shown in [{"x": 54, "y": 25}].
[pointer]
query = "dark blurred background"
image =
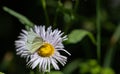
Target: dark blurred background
[{"x": 85, "y": 17}]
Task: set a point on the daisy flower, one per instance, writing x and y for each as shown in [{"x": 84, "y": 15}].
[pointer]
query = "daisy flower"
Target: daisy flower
[{"x": 41, "y": 47}]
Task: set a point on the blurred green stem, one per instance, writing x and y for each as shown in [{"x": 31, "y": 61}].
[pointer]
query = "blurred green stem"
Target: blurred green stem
[
  {"x": 32, "y": 72},
  {"x": 66, "y": 27},
  {"x": 76, "y": 5},
  {"x": 46, "y": 73},
  {"x": 110, "y": 53},
  {"x": 98, "y": 30},
  {"x": 24, "y": 20},
  {"x": 55, "y": 18},
  {"x": 45, "y": 11}
]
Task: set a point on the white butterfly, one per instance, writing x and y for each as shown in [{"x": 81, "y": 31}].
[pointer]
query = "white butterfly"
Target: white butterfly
[{"x": 34, "y": 42}]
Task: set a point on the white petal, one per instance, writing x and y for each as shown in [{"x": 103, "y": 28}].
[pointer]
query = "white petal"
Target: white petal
[
  {"x": 35, "y": 63},
  {"x": 54, "y": 64},
  {"x": 64, "y": 51}
]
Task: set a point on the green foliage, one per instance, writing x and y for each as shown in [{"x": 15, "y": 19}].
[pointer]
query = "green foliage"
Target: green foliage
[
  {"x": 20, "y": 17},
  {"x": 107, "y": 71},
  {"x": 71, "y": 67},
  {"x": 56, "y": 72},
  {"x": 2, "y": 73},
  {"x": 92, "y": 67},
  {"x": 77, "y": 35}
]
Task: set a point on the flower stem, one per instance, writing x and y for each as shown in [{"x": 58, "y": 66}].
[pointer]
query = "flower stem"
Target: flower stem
[
  {"x": 32, "y": 72},
  {"x": 112, "y": 50},
  {"x": 55, "y": 18},
  {"x": 98, "y": 30},
  {"x": 46, "y": 73},
  {"x": 45, "y": 11},
  {"x": 76, "y": 5},
  {"x": 109, "y": 56}
]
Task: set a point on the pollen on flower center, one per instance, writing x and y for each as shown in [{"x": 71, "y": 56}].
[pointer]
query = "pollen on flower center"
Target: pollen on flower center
[{"x": 46, "y": 50}]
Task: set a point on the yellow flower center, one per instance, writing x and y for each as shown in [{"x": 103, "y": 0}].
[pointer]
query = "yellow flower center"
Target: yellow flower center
[{"x": 46, "y": 50}]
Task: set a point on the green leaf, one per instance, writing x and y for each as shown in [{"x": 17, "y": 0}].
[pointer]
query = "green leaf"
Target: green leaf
[
  {"x": 91, "y": 66},
  {"x": 107, "y": 71},
  {"x": 96, "y": 70},
  {"x": 92, "y": 62},
  {"x": 71, "y": 67},
  {"x": 77, "y": 35},
  {"x": 19, "y": 16},
  {"x": 84, "y": 67},
  {"x": 56, "y": 72},
  {"x": 2, "y": 73}
]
